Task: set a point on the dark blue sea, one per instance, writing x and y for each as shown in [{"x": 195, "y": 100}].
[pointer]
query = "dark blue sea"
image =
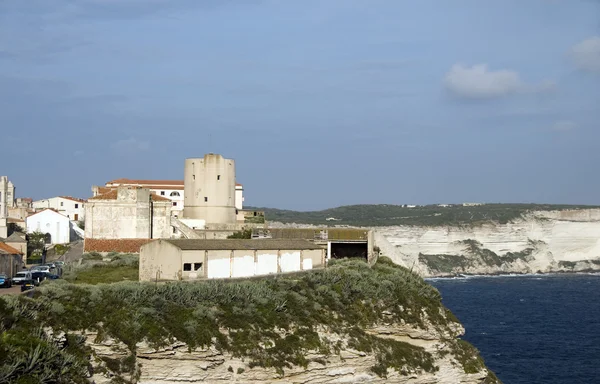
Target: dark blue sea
[{"x": 531, "y": 329}]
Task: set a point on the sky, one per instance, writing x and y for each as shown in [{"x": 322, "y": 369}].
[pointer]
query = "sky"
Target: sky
[{"x": 321, "y": 103}]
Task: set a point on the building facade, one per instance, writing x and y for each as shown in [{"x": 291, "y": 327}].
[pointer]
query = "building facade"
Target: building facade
[
  {"x": 189, "y": 259},
  {"x": 173, "y": 190},
  {"x": 128, "y": 213},
  {"x": 56, "y": 226},
  {"x": 71, "y": 207},
  {"x": 170, "y": 189},
  {"x": 7, "y": 201},
  {"x": 209, "y": 185},
  {"x": 11, "y": 260}
]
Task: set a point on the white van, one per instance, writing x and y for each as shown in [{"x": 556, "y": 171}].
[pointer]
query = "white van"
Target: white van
[{"x": 20, "y": 276}]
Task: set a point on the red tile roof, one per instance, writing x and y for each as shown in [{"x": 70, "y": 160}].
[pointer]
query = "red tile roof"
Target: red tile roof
[
  {"x": 146, "y": 182},
  {"x": 72, "y": 198},
  {"x": 8, "y": 250},
  {"x": 114, "y": 245},
  {"x": 112, "y": 195}
]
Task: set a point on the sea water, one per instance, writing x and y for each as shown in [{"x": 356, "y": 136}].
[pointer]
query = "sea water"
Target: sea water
[{"x": 531, "y": 329}]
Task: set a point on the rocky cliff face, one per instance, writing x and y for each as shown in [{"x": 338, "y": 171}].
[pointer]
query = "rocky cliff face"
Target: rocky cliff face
[
  {"x": 545, "y": 241},
  {"x": 451, "y": 363}
]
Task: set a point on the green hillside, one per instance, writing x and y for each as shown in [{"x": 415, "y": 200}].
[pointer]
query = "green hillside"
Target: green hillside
[{"x": 428, "y": 215}]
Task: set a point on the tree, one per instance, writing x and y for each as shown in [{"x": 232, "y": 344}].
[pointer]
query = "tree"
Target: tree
[
  {"x": 243, "y": 234},
  {"x": 36, "y": 243}
]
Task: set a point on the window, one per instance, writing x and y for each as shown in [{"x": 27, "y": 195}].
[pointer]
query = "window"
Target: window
[
  {"x": 175, "y": 193},
  {"x": 193, "y": 177},
  {"x": 197, "y": 266},
  {"x": 187, "y": 266},
  {"x": 162, "y": 193},
  {"x": 76, "y": 205},
  {"x": 174, "y": 203},
  {"x": 61, "y": 203},
  {"x": 205, "y": 199},
  {"x": 218, "y": 177}
]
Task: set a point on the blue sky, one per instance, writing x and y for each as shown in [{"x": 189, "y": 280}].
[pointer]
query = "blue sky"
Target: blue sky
[{"x": 321, "y": 102}]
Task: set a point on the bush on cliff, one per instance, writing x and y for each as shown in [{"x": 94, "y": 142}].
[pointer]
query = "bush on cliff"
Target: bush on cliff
[{"x": 270, "y": 321}]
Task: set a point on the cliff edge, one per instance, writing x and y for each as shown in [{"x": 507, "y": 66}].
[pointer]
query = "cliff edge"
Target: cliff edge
[
  {"x": 538, "y": 242},
  {"x": 347, "y": 323}
]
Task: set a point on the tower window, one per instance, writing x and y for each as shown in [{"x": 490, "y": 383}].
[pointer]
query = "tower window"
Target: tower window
[
  {"x": 218, "y": 177},
  {"x": 193, "y": 177},
  {"x": 205, "y": 199}
]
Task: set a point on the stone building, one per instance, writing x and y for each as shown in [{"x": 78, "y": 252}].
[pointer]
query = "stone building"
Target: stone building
[
  {"x": 11, "y": 260},
  {"x": 210, "y": 189},
  {"x": 7, "y": 200},
  {"x": 171, "y": 189},
  {"x": 128, "y": 213},
  {"x": 185, "y": 259}
]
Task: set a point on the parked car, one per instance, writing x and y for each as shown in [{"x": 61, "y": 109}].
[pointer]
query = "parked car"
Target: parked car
[
  {"x": 59, "y": 263},
  {"x": 21, "y": 276},
  {"x": 28, "y": 284},
  {"x": 5, "y": 281},
  {"x": 41, "y": 268},
  {"x": 39, "y": 276}
]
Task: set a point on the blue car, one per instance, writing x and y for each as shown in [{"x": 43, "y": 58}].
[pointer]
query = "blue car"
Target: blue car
[{"x": 5, "y": 281}]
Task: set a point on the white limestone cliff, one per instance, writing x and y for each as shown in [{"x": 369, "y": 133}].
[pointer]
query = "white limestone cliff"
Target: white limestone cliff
[
  {"x": 541, "y": 241},
  {"x": 176, "y": 364}
]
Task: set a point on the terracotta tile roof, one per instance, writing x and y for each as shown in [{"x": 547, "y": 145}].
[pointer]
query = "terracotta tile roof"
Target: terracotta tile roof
[
  {"x": 112, "y": 195},
  {"x": 146, "y": 182},
  {"x": 46, "y": 209},
  {"x": 238, "y": 185},
  {"x": 114, "y": 245},
  {"x": 72, "y": 198},
  {"x": 6, "y": 249}
]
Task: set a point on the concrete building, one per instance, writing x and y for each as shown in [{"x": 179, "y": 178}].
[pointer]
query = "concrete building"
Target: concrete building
[
  {"x": 209, "y": 184},
  {"x": 56, "y": 226},
  {"x": 128, "y": 213},
  {"x": 170, "y": 189},
  {"x": 7, "y": 200},
  {"x": 186, "y": 259},
  {"x": 71, "y": 207},
  {"x": 11, "y": 260}
]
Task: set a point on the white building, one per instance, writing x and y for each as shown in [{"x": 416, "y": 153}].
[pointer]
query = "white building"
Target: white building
[
  {"x": 55, "y": 225},
  {"x": 171, "y": 189},
  {"x": 239, "y": 196},
  {"x": 72, "y": 207}
]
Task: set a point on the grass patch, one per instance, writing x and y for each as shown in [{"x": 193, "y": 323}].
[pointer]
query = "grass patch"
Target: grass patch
[{"x": 99, "y": 274}]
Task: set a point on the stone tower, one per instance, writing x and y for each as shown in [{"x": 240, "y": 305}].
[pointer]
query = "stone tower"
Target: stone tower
[{"x": 209, "y": 189}]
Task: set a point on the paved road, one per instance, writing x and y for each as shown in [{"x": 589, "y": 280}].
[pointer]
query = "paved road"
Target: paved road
[
  {"x": 74, "y": 253},
  {"x": 10, "y": 291}
]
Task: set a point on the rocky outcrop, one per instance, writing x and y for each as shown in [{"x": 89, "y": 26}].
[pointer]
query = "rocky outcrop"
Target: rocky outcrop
[
  {"x": 544, "y": 241},
  {"x": 176, "y": 364}
]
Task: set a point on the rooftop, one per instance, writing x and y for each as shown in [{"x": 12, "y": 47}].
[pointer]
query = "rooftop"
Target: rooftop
[
  {"x": 233, "y": 244},
  {"x": 145, "y": 182},
  {"x": 6, "y": 249},
  {"x": 72, "y": 198},
  {"x": 112, "y": 195},
  {"x": 114, "y": 245}
]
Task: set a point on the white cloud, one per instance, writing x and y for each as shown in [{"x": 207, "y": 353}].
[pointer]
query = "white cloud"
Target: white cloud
[
  {"x": 564, "y": 126},
  {"x": 130, "y": 145},
  {"x": 586, "y": 54},
  {"x": 479, "y": 82}
]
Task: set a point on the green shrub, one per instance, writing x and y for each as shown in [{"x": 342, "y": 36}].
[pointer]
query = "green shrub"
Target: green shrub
[{"x": 269, "y": 321}]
